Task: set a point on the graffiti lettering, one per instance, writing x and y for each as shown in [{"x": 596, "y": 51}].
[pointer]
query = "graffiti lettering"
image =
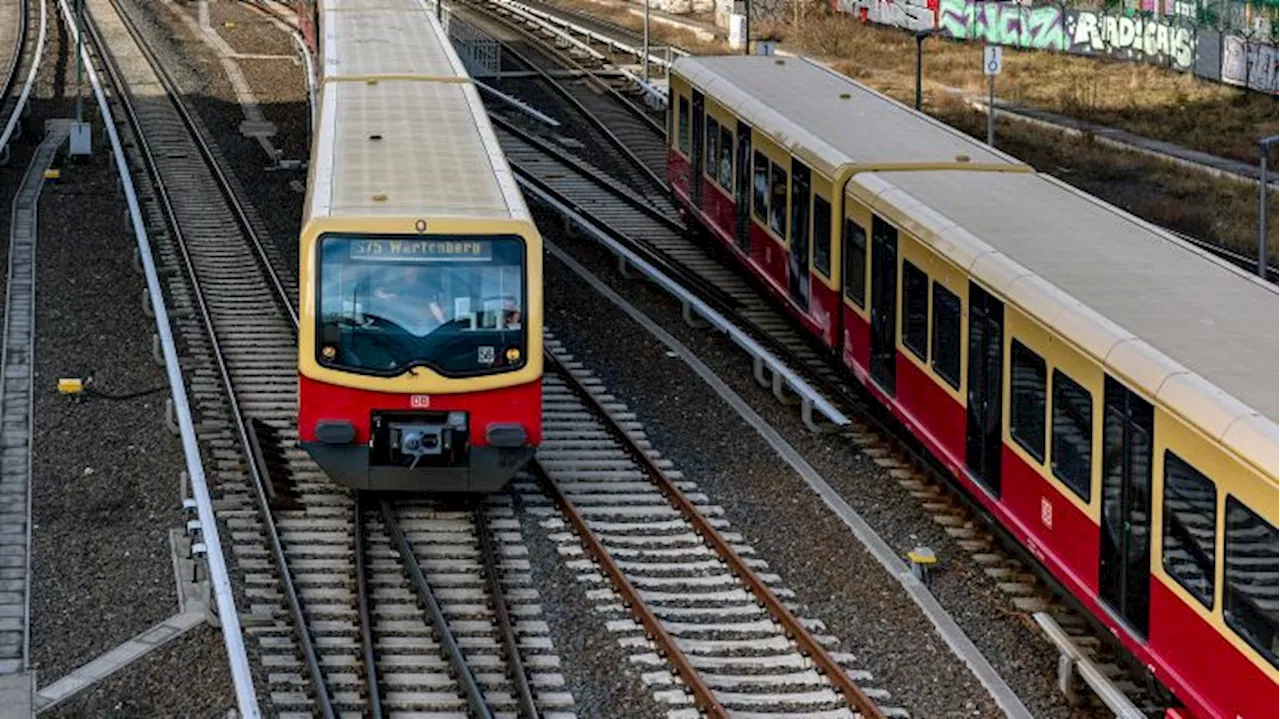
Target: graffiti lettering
[
  {"x": 906, "y": 14},
  {"x": 1249, "y": 64},
  {"x": 1132, "y": 39},
  {"x": 1003, "y": 23}
]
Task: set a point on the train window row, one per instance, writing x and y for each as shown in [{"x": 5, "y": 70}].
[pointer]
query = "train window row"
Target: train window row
[
  {"x": 914, "y": 312},
  {"x": 719, "y": 154}
]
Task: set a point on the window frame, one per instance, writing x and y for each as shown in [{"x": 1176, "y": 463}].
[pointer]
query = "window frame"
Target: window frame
[
  {"x": 726, "y": 151},
  {"x": 1231, "y": 499},
  {"x": 1170, "y": 459},
  {"x": 760, "y": 195},
  {"x": 821, "y": 240},
  {"x": 1024, "y": 442},
  {"x": 1062, "y": 378},
  {"x": 934, "y": 335},
  {"x": 711, "y": 148},
  {"x": 920, "y": 295},
  {"x": 855, "y": 241},
  {"x": 776, "y": 171},
  {"x": 682, "y": 126}
]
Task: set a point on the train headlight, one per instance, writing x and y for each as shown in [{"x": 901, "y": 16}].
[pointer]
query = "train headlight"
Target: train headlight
[
  {"x": 513, "y": 354},
  {"x": 329, "y": 352}
]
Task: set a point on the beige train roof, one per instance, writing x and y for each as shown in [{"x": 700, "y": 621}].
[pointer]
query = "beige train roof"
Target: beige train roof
[
  {"x": 801, "y": 103},
  {"x": 1187, "y": 328},
  {"x": 401, "y": 130}
]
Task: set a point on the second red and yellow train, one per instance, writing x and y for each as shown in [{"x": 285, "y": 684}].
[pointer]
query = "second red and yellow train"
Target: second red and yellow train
[{"x": 1106, "y": 391}]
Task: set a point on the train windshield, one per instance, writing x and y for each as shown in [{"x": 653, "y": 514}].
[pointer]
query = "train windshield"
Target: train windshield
[{"x": 453, "y": 304}]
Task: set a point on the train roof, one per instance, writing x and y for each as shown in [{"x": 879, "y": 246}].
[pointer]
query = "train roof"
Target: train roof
[
  {"x": 1160, "y": 308},
  {"x": 401, "y": 129},
  {"x": 838, "y": 120}
]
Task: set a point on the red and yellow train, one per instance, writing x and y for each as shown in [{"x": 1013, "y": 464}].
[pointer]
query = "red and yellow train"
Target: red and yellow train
[
  {"x": 1106, "y": 391},
  {"x": 420, "y": 330}
]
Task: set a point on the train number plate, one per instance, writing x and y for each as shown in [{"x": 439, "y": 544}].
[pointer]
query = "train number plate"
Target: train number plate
[{"x": 420, "y": 401}]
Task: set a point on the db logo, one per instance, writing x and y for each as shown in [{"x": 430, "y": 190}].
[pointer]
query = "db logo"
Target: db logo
[
  {"x": 420, "y": 401},
  {"x": 1046, "y": 512}
]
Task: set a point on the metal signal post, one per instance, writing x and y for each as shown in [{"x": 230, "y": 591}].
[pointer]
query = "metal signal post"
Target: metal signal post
[{"x": 1263, "y": 210}]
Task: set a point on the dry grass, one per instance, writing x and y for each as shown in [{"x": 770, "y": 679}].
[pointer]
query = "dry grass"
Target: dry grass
[{"x": 1142, "y": 99}]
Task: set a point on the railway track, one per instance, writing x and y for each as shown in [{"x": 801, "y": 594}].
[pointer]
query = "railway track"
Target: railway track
[
  {"x": 715, "y": 614},
  {"x": 336, "y": 613},
  {"x": 627, "y": 134},
  {"x": 24, "y": 50}
]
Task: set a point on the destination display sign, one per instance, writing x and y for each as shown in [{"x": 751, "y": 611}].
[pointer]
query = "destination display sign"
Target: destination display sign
[{"x": 396, "y": 250}]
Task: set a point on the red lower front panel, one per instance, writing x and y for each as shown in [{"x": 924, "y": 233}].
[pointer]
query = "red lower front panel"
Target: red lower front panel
[{"x": 322, "y": 401}]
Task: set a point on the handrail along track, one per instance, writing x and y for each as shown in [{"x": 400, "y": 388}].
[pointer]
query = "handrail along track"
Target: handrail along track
[
  {"x": 167, "y": 205},
  {"x": 15, "y": 65},
  {"x": 229, "y": 620}
]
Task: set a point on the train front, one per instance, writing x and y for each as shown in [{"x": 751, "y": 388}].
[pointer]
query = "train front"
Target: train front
[{"x": 420, "y": 356}]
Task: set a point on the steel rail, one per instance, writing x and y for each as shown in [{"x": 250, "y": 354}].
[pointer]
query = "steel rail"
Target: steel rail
[
  {"x": 524, "y": 694},
  {"x": 7, "y": 134},
  {"x": 794, "y": 628},
  {"x": 599, "y": 125},
  {"x": 257, "y": 473},
  {"x": 758, "y": 347},
  {"x": 565, "y": 29},
  {"x": 366, "y": 613},
  {"x": 703, "y": 697},
  {"x": 233, "y": 202},
  {"x": 470, "y": 687},
  {"x": 709, "y": 292},
  {"x": 229, "y": 620}
]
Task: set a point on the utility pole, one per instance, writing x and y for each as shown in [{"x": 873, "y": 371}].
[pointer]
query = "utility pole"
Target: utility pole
[
  {"x": 1264, "y": 146},
  {"x": 645, "y": 59},
  {"x": 79, "y": 59},
  {"x": 921, "y": 36},
  {"x": 746, "y": 35}
]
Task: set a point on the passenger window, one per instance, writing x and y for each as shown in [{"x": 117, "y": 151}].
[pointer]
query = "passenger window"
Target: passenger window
[
  {"x": 778, "y": 200},
  {"x": 1072, "y": 445},
  {"x": 761, "y": 198},
  {"x": 1190, "y": 526},
  {"x": 855, "y": 262},
  {"x": 946, "y": 335},
  {"x": 915, "y": 310},
  {"x": 1027, "y": 399},
  {"x": 711, "y": 159},
  {"x": 726, "y": 158},
  {"x": 822, "y": 235},
  {"x": 683, "y": 133},
  {"x": 1250, "y": 563}
]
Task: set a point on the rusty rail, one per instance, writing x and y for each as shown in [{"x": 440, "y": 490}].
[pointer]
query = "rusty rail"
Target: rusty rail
[{"x": 808, "y": 644}]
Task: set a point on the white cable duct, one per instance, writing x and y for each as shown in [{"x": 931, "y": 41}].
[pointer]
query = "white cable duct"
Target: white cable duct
[{"x": 233, "y": 639}]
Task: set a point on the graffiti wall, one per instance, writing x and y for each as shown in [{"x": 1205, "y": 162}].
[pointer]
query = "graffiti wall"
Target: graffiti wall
[{"x": 1171, "y": 40}]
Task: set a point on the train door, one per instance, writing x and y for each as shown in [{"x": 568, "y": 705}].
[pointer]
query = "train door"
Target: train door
[
  {"x": 1125, "y": 550},
  {"x": 698, "y": 128},
  {"x": 798, "y": 275},
  {"x": 884, "y": 300},
  {"x": 984, "y": 421},
  {"x": 742, "y": 187}
]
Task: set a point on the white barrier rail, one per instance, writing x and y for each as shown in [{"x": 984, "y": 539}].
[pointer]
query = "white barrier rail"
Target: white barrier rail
[
  {"x": 233, "y": 639},
  {"x": 12, "y": 124},
  {"x": 810, "y": 398},
  {"x": 563, "y": 29}
]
